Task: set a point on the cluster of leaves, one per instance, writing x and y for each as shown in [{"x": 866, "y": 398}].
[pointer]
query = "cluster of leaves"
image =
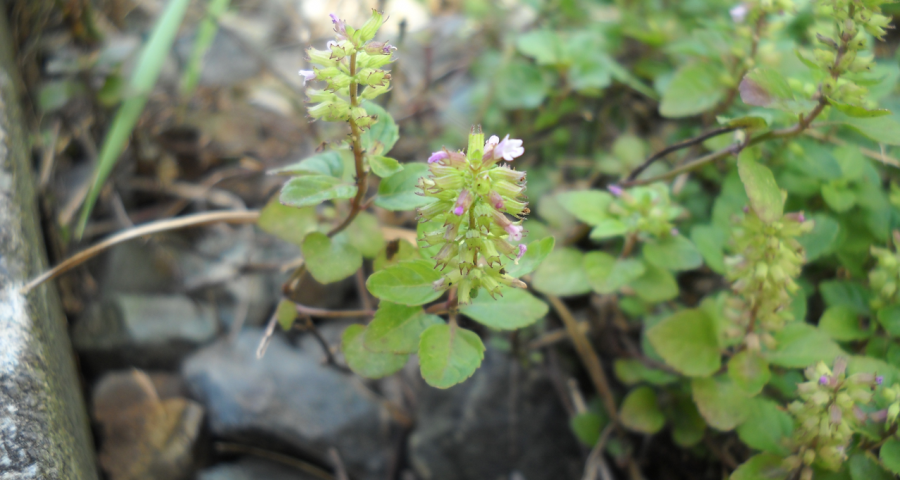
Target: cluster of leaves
[{"x": 799, "y": 227}]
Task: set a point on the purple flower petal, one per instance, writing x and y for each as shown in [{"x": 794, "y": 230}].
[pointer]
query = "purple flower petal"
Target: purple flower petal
[{"x": 438, "y": 156}]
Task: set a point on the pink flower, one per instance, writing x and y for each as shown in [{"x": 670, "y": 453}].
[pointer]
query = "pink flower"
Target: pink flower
[
  {"x": 522, "y": 250},
  {"x": 738, "y": 13},
  {"x": 496, "y": 200},
  {"x": 823, "y": 380},
  {"x": 615, "y": 190},
  {"x": 508, "y": 149},
  {"x": 514, "y": 231},
  {"x": 674, "y": 231},
  {"x": 438, "y": 156},
  {"x": 308, "y": 75},
  {"x": 339, "y": 26},
  {"x": 463, "y": 202}
]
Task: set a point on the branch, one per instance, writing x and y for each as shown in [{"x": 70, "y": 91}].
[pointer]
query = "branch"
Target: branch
[
  {"x": 678, "y": 146},
  {"x": 325, "y": 313}
]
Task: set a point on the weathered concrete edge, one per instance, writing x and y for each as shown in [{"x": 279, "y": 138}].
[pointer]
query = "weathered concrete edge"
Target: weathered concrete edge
[{"x": 44, "y": 429}]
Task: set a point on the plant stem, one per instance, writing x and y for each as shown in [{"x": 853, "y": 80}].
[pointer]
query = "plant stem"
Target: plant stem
[
  {"x": 356, "y": 142},
  {"x": 325, "y": 313}
]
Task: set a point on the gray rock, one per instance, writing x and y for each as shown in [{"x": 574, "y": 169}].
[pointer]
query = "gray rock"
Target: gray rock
[
  {"x": 143, "y": 330},
  {"x": 288, "y": 397},
  {"x": 44, "y": 432},
  {"x": 253, "y": 469},
  {"x": 487, "y": 428}
]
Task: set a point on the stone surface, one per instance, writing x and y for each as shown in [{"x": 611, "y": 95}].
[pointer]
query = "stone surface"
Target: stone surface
[
  {"x": 490, "y": 428},
  {"x": 44, "y": 432},
  {"x": 289, "y": 398},
  {"x": 145, "y": 436},
  {"x": 253, "y": 469},
  {"x": 143, "y": 330}
]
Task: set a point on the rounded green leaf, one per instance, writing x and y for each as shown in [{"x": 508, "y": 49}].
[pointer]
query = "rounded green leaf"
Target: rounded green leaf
[
  {"x": 287, "y": 223},
  {"x": 562, "y": 274},
  {"x": 710, "y": 241},
  {"x": 538, "y": 250},
  {"x": 589, "y": 206},
  {"x": 449, "y": 354},
  {"x": 767, "y": 427},
  {"x": 721, "y": 403},
  {"x": 364, "y": 233},
  {"x": 397, "y": 328},
  {"x": 515, "y": 309},
  {"x": 394, "y": 252},
  {"x": 759, "y": 183},
  {"x": 839, "y": 197},
  {"x": 655, "y": 285},
  {"x": 330, "y": 259},
  {"x": 801, "y": 345},
  {"x": 364, "y": 362},
  {"x": 862, "y": 467},
  {"x": 750, "y": 371},
  {"x": 890, "y": 455},
  {"x": 408, "y": 283},
  {"x": 286, "y": 313},
  {"x": 841, "y": 323},
  {"x": 385, "y": 130},
  {"x": 763, "y": 466},
  {"x": 694, "y": 89},
  {"x": 674, "y": 253},
  {"x": 384, "y": 166},
  {"x": 327, "y": 163},
  {"x": 889, "y": 318},
  {"x": 587, "y": 427},
  {"x": 640, "y": 411},
  {"x": 631, "y": 372},
  {"x": 822, "y": 240},
  {"x": 398, "y": 192},
  {"x": 688, "y": 427},
  {"x": 687, "y": 342},
  {"x": 311, "y": 190},
  {"x": 607, "y": 274}
]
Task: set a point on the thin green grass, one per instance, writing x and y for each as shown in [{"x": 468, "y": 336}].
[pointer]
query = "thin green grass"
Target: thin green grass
[
  {"x": 206, "y": 33},
  {"x": 142, "y": 81}
]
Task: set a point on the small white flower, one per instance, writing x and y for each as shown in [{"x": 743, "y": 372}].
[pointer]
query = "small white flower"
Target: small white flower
[
  {"x": 739, "y": 13},
  {"x": 508, "y": 148},
  {"x": 308, "y": 75}
]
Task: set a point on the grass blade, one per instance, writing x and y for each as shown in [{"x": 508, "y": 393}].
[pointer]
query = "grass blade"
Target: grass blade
[{"x": 206, "y": 33}]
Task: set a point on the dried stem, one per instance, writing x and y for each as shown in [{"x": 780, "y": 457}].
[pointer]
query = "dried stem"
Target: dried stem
[{"x": 325, "y": 313}]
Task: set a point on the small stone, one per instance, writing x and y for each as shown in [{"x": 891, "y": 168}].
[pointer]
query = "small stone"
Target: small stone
[
  {"x": 143, "y": 330},
  {"x": 289, "y": 398},
  {"x": 253, "y": 469},
  {"x": 144, "y": 437},
  {"x": 471, "y": 431}
]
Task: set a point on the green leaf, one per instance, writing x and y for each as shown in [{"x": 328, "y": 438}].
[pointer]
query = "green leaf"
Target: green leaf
[
  {"x": 608, "y": 228},
  {"x": 857, "y": 111},
  {"x": 694, "y": 89},
  {"x": 630, "y": 372},
  {"x": 749, "y": 122},
  {"x": 543, "y": 45},
  {"x": 538, "y": 250},
  {"x": 364, "y": 233},
  {"x": 655, "y": 285},
  {"x": 562, "y": 274},
  {"x": 862, "y": 467},
  {"x": 330, "y": 259},
  {"x": 589, "y": 206},
  {"x": 687, "y": 342},
  {"x": 688, "y": 427},
  {"x": 822, "y": 240},
  {"x": 842, "y": 324},
  {"x": 889, "y": 318},
  {"x": 767, "y": 427},
  {"x": 851, "y": 294},
  {"x": 674, "y": 253},
  {"x": 587, "y": 427},
  {"x": 720, "y": 402},
  {"x": 608, "y": 274},
  {"x": 710, "y": 241},
  {"x": 515, "y": 309},
  {"x": 409, "y": 283},
  {"x": 286, "y": 313},
  {"x": 520, "y": 85},
  {"x": 763, "y": 466},
  {"x": 364, "y": 362},
  {"x": 311, "y": 190},
  {"x": 839, "y": 197},
  {"x": 287, "y": 223},
  {"x": 384, "y": 131},
  {"x": 398, "y": 192},
  {"x": 766, "y": 87},
  {"x": 890, "y": 455},
  {"x": 884, "y": 130},
  {"x": 640, "y": 411},
  {"x": 384, "y": 166},
  {"x": 397, "y": 328},
  {"x": 327, "y": 163},
  {"x": 449, "y": 354},
  {"x": 749, "y": 371},
  {"x": 394, "y": 252},
  {"x": 801, "y": 345},
  {"x": 763, "y": 192}
]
